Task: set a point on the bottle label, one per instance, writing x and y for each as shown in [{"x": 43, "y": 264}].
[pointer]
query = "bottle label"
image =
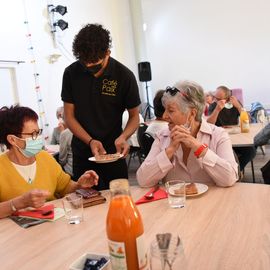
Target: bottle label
[
  {"x": 141, "y": 252},
  {"x": 118, "y": 255}
]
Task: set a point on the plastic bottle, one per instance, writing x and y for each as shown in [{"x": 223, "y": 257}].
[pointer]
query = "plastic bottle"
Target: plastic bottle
[
  {"x": 244, "y": 121},
  {"x": 125, "y": 230}
]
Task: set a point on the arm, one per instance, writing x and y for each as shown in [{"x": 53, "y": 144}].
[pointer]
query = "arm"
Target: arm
[
  {"x": 212, "y": 118},
  {"x": 131, "y": 126},
  {"x": 63, "y": 149},
  {"x": 34, "y": 198},
  {"x": 75, "y": 127},
  {"x": 236, "y": 103},
  {"x": 87, "y": 180}
]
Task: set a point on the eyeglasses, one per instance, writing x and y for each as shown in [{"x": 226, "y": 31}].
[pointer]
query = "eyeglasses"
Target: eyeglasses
[
  {"x": 34, "y": 134},
  {"x": 172, "y": 90}
]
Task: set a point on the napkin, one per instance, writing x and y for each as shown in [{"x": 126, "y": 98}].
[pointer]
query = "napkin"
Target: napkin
[
  {"x": 158, "y": 195},
  {"x": 44, "y": 212}
]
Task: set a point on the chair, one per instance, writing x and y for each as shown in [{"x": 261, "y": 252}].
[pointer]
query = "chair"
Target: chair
[
  {"x": 145, "y": 140},
  {"x": 238, "y": 93}
]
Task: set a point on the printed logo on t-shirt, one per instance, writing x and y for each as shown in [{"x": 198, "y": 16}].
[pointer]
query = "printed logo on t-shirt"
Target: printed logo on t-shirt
[{"x": 109, "y": 87}]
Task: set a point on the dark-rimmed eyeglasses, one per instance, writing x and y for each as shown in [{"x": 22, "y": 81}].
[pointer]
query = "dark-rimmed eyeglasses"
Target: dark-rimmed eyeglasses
[{"x": 33, "y": 134}]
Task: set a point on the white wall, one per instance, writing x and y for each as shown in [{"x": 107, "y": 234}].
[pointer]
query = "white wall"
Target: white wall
[
  {"x": 114, "y": 15},
  {"x": 212, "y": 42}
]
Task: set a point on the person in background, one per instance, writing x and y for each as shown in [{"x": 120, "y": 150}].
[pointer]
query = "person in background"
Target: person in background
[
  {"x": 158, "y": 124},
  {"x": 96, "y": 91},
  {"x": 209, "y": 99},
  {"x": 65, "y": 151},
  {"x": 132, "y": 141},
  {"x": 29, "y": 176},
  {"x": 190, "y": 148},
  {"x": 225, "y": 111},
  {"x": 61, "y": 126}
]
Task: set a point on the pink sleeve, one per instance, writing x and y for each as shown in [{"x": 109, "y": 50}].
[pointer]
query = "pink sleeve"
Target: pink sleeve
[
  {"x": 219, "y": 161},
  {"x": 155, "y": 166}
]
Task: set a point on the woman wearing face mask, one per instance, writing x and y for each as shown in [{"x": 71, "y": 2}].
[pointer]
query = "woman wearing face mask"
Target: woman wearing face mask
[
  {"x": 30, "y": 176},
  {"x": 190, "y": 149}
]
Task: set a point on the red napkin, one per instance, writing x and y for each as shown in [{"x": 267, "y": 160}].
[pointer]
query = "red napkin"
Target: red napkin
[
  {"x": 44, "y": 212},
  {"x": 158, "y": 195}
]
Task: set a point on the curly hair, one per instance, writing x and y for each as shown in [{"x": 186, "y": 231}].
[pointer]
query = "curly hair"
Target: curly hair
[
  {"x": 91, "y": 43},
  {"x": 12, "y": 120}
]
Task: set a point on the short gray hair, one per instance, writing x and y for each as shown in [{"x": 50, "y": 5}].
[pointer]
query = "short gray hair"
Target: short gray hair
[{"x": 190, "y": 95}]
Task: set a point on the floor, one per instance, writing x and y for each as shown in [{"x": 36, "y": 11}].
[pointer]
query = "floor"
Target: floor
[{"x": 258, "y": 162}]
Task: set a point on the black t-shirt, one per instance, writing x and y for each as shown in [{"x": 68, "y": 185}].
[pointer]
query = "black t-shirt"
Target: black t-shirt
[
  {"x": 226, "y": 117},
  {"x": 100, "y": 102}
]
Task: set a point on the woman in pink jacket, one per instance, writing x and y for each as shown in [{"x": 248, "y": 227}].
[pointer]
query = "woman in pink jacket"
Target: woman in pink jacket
[{"x": 189, "y": 149}]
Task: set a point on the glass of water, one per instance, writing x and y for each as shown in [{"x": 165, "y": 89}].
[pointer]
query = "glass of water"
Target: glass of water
[
  {"x": 176, "y": 193},
  {"x": 73, "y": 206}
]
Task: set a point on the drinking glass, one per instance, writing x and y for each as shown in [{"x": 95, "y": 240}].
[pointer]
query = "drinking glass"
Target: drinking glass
[
  {"x": 73, "y": 206},
  {"x": 176, "y": 193},
  {"x": 168, "y": 257}
]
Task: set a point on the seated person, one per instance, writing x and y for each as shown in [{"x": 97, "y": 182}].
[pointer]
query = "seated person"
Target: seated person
[
  {"x": 30, "y": 176},
  {"x": 61, "y": 126},
  {"x": 132, "y": 141},
  {"x": 225, "y": 111},
  {"x": 65, "y": 151},
  {"x": 190, "y": 148},
  {"x": 159, "y": 123},
  {"x": 209, "y": 99}
]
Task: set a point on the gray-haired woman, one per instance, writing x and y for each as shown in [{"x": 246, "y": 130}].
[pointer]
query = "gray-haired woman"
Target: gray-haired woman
[{"x": 190, "y": 149}]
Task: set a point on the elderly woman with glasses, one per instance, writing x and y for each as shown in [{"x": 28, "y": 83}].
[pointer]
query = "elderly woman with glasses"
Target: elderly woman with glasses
[
  {"x": 30, "y": 176},
  {"x": 189, "y": 149}
]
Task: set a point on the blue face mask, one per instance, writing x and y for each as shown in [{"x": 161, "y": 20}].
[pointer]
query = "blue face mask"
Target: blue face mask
[{"x": 32, "y": 147}]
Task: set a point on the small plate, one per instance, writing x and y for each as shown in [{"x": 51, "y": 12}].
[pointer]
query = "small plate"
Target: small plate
[
  {"x": 202, "y": 188},
  {"x": 108, "y": 160}
]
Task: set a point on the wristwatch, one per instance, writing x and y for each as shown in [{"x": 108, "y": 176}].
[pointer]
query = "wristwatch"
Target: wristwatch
[{"x": 13, "y": 208}]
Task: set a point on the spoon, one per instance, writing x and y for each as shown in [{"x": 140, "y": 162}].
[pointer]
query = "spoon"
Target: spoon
[{"x": 151, "y": 195}]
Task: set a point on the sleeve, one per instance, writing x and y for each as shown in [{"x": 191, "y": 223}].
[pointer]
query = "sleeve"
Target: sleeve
[
  {"x": 211, "y": 108},
  {"x": 54, "y": 140},
  {"x": 263, "y": 136},
  {"x": 132, "y": 97},
  {"x": 220, "y": 163},
  {"x": 66, "y": 93},
  {"x": 155, "y": 167},
  {"x": 63, "y": 148}
]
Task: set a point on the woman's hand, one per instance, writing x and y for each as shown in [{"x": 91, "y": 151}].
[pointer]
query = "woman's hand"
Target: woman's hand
[
  {"x": 180, "y": 134},
  {"x": 35, "y": 198},
  {"x": 88, "y": 179}
]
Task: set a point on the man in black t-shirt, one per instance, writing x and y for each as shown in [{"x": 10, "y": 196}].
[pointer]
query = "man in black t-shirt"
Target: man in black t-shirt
[
  {"x": 225, "y": 111},
  {"x": 96, "y": 90}
]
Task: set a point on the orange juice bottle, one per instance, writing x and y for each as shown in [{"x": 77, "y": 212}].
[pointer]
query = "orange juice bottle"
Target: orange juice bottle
[
  {"x": 244, "y": 121},
  {"x": 125, "y": 230}
]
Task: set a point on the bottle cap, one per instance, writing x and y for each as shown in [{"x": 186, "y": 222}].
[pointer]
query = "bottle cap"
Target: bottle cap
[{"x": 117, "y": 184}]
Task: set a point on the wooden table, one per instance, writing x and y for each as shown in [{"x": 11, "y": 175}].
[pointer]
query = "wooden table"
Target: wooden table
[
  {"x": 244, "y": 139},
  {"x": 225, "y": 228}
]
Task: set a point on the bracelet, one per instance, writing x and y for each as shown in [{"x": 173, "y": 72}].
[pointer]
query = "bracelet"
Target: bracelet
[
  {"x": 90, "y": 141},
  {"x": 198, "y": 152},
  {"x": 13, "y": 208}
]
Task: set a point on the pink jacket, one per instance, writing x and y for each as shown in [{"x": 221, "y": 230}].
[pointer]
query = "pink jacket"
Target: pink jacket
[{"x": 218, "y": 166}]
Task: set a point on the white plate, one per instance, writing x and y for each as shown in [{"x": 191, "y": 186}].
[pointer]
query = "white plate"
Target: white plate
[
  {"x": 202, "y": 188},
  {"x": 105, "y": 161}
]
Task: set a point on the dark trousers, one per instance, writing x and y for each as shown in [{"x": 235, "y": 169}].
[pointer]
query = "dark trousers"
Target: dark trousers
[
  {"x": 105, "y": 171},
  {"x": 245, "y": 155}
]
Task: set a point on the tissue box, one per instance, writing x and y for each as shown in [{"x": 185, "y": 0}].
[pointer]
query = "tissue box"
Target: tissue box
[{"x": 79, "y": 263}]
